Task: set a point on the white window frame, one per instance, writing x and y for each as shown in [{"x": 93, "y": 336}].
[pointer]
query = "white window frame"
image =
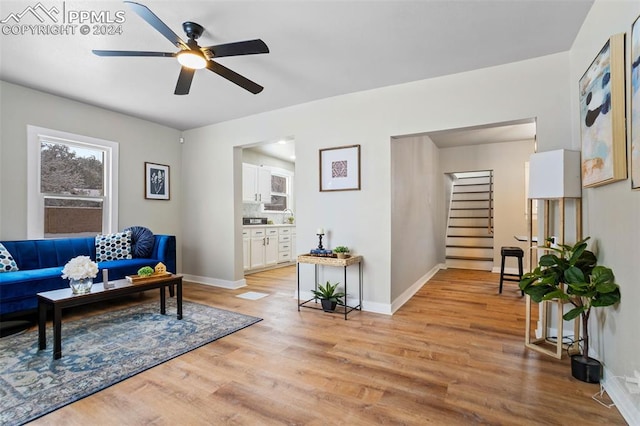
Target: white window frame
[
  {"x": 35, "y": 198},
  {"x": 289, "y": 176}
]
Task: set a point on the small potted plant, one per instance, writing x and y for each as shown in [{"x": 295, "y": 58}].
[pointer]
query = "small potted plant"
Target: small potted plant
[
  {"x": 342, "y": 252},
  {"x": 570, "y": 273},
  {"x": 329, "y": 296}
]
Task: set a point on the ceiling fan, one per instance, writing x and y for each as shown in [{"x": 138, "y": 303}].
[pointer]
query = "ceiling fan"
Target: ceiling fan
[{"x": 191, "y": 56}]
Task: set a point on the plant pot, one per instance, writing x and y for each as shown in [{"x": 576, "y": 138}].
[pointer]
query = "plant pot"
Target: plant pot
[
  {"x": 328, "y": 305},
  {"x": 586, "y": 369},
  {"x": 342, "y": 255}
]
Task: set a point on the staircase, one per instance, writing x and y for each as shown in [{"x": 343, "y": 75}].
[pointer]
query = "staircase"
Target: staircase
[{"x": 470, "y": 226}]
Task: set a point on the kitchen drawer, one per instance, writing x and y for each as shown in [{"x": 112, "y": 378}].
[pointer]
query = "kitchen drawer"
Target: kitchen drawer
[
  {"x": 284, "y": 246},
  {"x": 245, "y": 233},
  {"x": 259, "y": 232},
  {"x": 284, "y": 256},
  {"x": 284, "y": 231},
  {"x": 272, "y": 232},
  {"x": 284, "y": 238}
]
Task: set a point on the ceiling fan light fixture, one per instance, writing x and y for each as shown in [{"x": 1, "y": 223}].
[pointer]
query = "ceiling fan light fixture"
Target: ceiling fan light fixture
[{"x": 193, "y": 59}]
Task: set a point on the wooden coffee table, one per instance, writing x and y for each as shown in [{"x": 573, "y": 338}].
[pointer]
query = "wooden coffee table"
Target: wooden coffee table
[{"x": 64, "y": 298}]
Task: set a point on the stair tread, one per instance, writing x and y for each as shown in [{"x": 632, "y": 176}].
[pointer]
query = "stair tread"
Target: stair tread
[
  {"x": 469, "y": 236},
  {"x": 471, "y": 247},
  {"x": 471, "y": 192},
  {"x": 468, "y": 226},
  {"x": 484, "y": 259},
  {"x": 470, "y": 208}
]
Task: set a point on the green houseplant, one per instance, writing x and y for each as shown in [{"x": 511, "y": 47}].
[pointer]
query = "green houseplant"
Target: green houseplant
[
  {"x": 571, "y": 274},
  {"x": 329, "y": 296},
  {"x": 341, "y": 251}
]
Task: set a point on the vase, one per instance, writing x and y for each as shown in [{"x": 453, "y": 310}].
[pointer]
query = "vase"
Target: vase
[{"x": 81, "y": 286}]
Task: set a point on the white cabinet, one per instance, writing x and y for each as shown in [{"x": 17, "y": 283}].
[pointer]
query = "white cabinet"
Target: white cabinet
[
  {"x": 284, "y": 245},
  {"x": 256, "y": 184},
  {"x": 265, "y": 247},
  {"x": 256, "y": 250},
  {"x": 246, "y": 249}
]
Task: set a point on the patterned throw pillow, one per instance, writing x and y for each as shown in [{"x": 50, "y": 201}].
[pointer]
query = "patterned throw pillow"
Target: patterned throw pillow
[
  {"x": 7, "y": 264},
  {"x": 113, "y": 246}
]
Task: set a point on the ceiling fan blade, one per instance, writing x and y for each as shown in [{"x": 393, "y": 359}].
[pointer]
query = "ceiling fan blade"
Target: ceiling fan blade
[
  {"x": 132, "y": 53},
  {"x": 234, "y": 77},
  {"x": 146, "y": 14},
  {"x": 184, "y": 81},
  {"x": 249, "y": 47}
]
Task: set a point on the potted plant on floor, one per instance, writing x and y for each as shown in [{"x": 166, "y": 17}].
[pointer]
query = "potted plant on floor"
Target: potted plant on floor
[
  {"x": 329, "y": 296},
  {"x": 571, "y": 274},
  {"x": 342, "y": 252}
]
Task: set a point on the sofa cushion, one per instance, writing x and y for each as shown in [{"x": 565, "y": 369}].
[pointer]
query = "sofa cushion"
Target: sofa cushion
[
  {"x": 142, "y": 241},
  {"x": 7, "y": 263},
  {"x": 113, "y": 246}
]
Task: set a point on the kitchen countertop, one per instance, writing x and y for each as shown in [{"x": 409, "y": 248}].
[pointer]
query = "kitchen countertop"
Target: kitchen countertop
[{"x": 257, "y": 225}]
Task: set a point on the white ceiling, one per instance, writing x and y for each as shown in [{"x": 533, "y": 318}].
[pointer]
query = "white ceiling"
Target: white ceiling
[{"x": 318, "y": 49}]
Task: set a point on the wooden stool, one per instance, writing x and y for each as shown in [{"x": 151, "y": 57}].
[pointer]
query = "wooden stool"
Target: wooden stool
[{"x": 511, "y": 252}]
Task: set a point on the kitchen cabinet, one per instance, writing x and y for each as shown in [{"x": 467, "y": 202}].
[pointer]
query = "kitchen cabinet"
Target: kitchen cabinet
[
  {"x": 268, "y": 246},
  {"x": 246, "y": 249},
  {"x": 263, "y": 247},
  {"x": 256, "y": 184}
]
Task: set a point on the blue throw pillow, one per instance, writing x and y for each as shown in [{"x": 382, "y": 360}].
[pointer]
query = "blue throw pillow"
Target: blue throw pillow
[
  {"x": 7, "y": 263},
  {"x": 142, "y": 241}
]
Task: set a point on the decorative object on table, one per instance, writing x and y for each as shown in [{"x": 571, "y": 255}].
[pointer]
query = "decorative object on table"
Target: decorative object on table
[
  {"x": 635, "y": 104},
  {"x": 320, "y": 233},
  {"x": 156, "y": 181},
  {"x": 340, "y": 168},
  {"x": 291, "y": 219},
  {"x": 105, "y": 280},
  {"x": 112, "y": 356},
  {"x": 342, "y": 252},
  {"x": 147, "y": 272},
  {"x": 329, "y": 296},
  {"x": 571, "y": 274},
  {"x": 80, "y": 271},
  {"x": 321, "y": 252},
  {"x": 602, "y": 116}
]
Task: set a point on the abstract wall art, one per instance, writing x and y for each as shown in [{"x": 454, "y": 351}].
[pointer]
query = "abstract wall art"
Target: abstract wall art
[{"x": 602, "y": 116}]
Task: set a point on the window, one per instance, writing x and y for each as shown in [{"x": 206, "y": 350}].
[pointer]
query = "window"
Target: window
[
  {"x": 72, "y": 184},
  {"x": 280, "y": 191}
]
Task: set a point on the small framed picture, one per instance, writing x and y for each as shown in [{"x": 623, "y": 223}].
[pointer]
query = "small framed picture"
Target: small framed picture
[
  {"x": 156, "y": 181},
  {"x": 340, "y": 168}
]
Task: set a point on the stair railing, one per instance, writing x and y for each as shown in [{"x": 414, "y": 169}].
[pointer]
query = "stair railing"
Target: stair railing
[{"x": 490, "y": 215}]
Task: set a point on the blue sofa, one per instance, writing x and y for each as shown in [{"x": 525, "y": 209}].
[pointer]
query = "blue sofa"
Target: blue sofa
[{"x": 41, "y": 262}]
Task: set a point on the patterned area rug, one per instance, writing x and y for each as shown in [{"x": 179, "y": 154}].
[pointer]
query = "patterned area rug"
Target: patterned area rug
[{"x": 99, "y": 351}]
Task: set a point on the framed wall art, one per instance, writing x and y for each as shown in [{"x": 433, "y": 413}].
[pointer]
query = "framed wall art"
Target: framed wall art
[
  {"x": 156, "y": 181},
  {"x": 635, "y": 104},
  {"x": 602, "y": 116},
  {"x": 340, "y": 168}
]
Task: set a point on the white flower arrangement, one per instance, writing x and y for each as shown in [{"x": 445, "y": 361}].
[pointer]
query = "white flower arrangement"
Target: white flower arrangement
[{"x": 79, "y": 268}]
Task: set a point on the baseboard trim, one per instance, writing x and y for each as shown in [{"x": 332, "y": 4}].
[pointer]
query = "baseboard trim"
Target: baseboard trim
[
  {"x": 507, "y": 270},
  {"x": 408, "y": 293},
  {"x": 215, "y": 282},
  {"x": 628, "y": 404}
]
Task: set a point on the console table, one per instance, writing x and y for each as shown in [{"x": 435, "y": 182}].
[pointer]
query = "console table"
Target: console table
[{"x": 335, "y": 262}]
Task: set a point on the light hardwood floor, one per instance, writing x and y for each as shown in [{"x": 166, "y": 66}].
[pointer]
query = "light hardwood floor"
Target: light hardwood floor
[{"x": 453, "y": 355}]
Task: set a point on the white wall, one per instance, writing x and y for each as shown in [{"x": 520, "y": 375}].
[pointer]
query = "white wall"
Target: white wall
[
  {"x": 139, "y": 141},
  {"x": 507, "y": 160},
  {"x": 417, "y": 212},
  {"x": 611, "y": 212},
  {"x": 360, "y": 219}
]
